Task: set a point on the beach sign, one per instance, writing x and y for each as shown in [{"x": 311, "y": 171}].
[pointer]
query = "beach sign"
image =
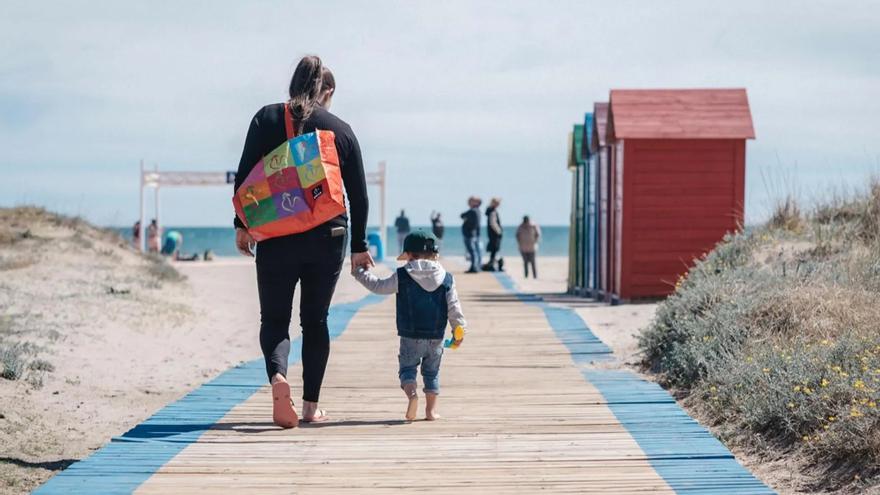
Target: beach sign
[{"x": 293, "y": 188}]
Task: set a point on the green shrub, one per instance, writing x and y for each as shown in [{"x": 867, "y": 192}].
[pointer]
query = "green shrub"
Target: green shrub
[{"x": 775, "y": 338}]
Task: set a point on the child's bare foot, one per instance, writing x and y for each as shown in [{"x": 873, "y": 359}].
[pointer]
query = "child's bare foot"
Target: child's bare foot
[
  {"x": 413, "y": 397},
  {"x": 431, "y": 407}
]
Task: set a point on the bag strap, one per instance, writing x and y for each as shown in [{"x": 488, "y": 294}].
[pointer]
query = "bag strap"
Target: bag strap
[{"x": 288, "y": 122}]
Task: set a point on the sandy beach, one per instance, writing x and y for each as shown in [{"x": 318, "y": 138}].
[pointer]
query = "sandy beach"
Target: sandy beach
[
  {"x": 121, "y": 336},
  {"x": 111, "y": 337}
]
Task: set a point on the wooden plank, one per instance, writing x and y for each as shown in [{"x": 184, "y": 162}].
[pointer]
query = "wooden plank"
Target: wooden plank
[
  {"x": 694, "y": 178},
  {"x": 525, "y": 409},
  {"x": 519, "y": 417}
]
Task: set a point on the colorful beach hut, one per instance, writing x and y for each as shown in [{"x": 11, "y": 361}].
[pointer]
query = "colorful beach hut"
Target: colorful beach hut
[
  {"x": 676, "y": 183},
  {"x": 588, "y": 224},
  {"x": 600, "y": 155},
  {"x": 582, "y": 229},
  {"x": 575, "y": 230}
]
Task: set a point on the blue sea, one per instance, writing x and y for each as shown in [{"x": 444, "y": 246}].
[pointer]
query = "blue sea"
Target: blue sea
[{"x": 220, "y": 240}]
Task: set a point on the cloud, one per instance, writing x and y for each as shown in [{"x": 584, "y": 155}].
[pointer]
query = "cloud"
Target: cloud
[{"x": 458, "y": 97}]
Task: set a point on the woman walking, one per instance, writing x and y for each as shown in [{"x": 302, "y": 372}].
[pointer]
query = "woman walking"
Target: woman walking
[{"x": 312, "y": 258}]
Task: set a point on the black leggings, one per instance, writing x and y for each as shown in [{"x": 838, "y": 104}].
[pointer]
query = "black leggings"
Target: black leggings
[{"x": 313, "y": 258}]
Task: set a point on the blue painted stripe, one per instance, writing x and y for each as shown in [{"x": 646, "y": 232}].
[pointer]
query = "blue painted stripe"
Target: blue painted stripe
[
  {"x": 585, "y": 348},
  {"x": 129, "y": 460},
  {"x": 680, "y": 450}
]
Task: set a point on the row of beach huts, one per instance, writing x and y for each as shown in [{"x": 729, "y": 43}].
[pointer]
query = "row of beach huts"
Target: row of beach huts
[{"x": 658, "y": 178}]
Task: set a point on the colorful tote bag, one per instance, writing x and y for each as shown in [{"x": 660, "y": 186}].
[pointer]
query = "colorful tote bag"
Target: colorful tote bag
[{"x": 294, "y": 188}]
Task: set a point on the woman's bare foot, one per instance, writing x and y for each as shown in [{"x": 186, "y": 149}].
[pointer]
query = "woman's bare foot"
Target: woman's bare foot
[
  {"x": 283, "y": 412},
  {"x": 431, "y": 407},
  {"x": 311, "y": 413},
  {"x": 413, "y": 397}
]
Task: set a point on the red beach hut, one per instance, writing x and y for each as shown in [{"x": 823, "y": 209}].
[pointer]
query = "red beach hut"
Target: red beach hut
[{"x": 676, "y": 184}]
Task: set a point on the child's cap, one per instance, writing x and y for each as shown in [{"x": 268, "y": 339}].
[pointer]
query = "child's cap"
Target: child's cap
[{"x": 419, "y": 242}]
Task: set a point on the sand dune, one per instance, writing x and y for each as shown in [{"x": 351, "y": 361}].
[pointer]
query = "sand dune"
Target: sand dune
[{"x": 118, "y": 335}]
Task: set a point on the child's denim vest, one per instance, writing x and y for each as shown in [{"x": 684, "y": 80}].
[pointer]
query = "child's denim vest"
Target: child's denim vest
[{"x": 421, "y": 314}]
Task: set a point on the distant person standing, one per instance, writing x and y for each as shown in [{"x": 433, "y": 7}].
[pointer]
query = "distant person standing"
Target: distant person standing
[
  {"x": 437, "y": 227},
  {"x": 493, "y": 224},
  {"x": 402, "y": 226},
  {"x": 527, "y": 237},
  {"x": 470, "y": 231},
  {"x": 153, "y": 237},
  {"x": 136, "y": 235}
]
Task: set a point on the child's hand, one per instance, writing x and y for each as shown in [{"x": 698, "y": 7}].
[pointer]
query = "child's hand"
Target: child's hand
[{"x": 457, "y": 338}]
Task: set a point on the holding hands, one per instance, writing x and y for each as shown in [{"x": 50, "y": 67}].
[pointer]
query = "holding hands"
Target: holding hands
[{"x": 361, "y": 260}]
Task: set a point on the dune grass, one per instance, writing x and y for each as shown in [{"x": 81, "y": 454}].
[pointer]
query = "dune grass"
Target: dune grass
[
  {"x": 28, "y": 235},
  {"x": 774, "y": 338}
]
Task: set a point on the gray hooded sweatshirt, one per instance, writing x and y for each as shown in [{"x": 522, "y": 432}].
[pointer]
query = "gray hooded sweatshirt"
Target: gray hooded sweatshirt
[{"x": 428, "y": 274}]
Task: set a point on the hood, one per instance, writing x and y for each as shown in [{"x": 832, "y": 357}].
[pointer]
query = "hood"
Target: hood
[{"x": 427, "y": 273}]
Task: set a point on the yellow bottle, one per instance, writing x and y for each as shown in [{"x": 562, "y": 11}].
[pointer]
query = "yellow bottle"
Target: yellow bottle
[{"x": 457, "y": 337}]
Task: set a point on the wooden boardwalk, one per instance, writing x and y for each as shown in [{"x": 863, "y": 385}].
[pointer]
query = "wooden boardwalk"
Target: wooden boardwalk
[{"x": 520, "y": 416}]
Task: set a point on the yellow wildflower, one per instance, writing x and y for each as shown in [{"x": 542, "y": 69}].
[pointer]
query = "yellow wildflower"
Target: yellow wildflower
[
  {"x": 824, "y": 383},
  {"x": 859, "y": 384},
  {"x": 832, "y": 418},
  {"x": 790, "y": 405},
  {"x": 855, "y": 413},
  {"x": 766, "y": 370},
  {"x": 797, "y": 388}
]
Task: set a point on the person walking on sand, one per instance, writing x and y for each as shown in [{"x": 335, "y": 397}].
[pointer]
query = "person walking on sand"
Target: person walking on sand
[
  {"x": 402, "y": 226},
  {"x": 426, "y": 301},
  {"x": 493, "y": 228},
  {"x": 527, "y": 237},
  {"x": 312, "y": 258},
  {"x": 470, "y": 231}
]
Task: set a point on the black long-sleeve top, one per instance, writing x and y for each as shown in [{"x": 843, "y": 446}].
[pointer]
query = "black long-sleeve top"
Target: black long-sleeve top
[
  {"x": 267, "y": 131},
  {"x": 471, "y": 225}
]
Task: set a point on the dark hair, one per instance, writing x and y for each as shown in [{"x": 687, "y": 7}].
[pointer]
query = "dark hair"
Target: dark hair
[
  {"x": 305, "y": 88},
  {"x": 327, "y": 80}
]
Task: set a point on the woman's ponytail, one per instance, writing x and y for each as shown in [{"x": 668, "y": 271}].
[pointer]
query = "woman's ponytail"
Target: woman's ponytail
[{"x": 305, "y": 89}]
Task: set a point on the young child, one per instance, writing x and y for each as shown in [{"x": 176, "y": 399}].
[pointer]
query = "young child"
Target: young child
[{"x": 426, "y": 300}]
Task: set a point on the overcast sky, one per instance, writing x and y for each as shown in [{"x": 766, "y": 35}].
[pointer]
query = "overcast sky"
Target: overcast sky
[{"x": 460, "y": 98}]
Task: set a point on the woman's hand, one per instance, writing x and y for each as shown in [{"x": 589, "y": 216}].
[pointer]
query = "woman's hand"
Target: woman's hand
[
  {"x": 244, "y": 242},
  {"x": 359, "y": 260}
]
